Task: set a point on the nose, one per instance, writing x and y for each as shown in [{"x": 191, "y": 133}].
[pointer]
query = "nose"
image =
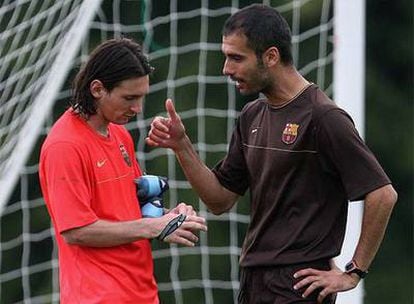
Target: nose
[
  {"x": 226, "y": 68},
  {"x": 137, "y": 107}
]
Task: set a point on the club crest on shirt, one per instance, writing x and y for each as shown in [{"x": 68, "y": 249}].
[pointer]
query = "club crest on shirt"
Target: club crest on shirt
[
  {"x": 125, "y": 155},
  {"x": 290, "y": 133}
]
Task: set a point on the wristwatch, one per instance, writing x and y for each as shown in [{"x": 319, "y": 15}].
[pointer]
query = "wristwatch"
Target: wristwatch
[{"x": 352, "y": 267}]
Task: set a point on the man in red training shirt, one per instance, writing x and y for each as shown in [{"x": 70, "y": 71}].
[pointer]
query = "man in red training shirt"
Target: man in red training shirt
[{"x": 87, "y": 172}]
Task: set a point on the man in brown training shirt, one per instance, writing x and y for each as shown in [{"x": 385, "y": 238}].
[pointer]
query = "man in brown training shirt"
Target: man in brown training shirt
[{"x": 302, "y": 160}]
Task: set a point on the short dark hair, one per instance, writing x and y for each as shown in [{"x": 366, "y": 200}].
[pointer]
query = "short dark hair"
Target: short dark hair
[
  {"x": 110, "y": 62},
  {"x": 264, "y": 27}
]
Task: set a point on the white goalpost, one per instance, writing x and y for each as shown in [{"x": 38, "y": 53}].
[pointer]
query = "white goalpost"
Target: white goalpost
[
  {"x": 349, "y": 93},
  {"x": 43, "y": 43}
]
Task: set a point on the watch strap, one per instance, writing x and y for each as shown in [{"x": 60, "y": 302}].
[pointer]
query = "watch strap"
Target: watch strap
[{"x": 352, "y": 267}]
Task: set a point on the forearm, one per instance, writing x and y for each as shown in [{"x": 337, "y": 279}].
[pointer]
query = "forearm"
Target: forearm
[
  {"x": 217, "y": 198},
  {"x": 104, "y": 233},
  {"x": 377, "y": 210},
  {"x": 170, "y": 133},
  {"x": 378, "y": 206}
]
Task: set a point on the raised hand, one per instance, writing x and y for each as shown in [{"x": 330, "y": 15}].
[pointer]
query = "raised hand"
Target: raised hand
[{"x": 166, "y": 132}]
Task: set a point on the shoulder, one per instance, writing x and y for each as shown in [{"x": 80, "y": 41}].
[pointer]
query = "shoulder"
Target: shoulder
[
  {"x": 320, "y": 102},
  {"x": 324, "y": 109},
  {"x": 72, "y": 134},
  {"x": 252, "y": 108},
  {"x": 67, "y": 130}
]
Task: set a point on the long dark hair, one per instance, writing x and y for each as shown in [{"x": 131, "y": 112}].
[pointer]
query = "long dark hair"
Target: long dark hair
[
  {"x": 111, "y": 62},
  {"x": 264, "y": 27}
]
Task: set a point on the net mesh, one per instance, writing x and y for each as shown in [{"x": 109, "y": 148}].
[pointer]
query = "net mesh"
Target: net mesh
[{"x": 182, "y": 39}]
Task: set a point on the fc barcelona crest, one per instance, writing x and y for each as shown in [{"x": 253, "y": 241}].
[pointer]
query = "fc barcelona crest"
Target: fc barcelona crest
[
  {"x": 290, "y": 133},
  {"x": 125, "y": 155}
]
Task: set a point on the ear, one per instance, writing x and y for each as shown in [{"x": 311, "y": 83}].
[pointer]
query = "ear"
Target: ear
[
  {"x": 271, "y": 57},
  {"x": 97, "y": 89}
]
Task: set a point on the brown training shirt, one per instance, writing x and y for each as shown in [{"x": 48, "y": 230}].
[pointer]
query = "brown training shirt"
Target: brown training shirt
[{"x": 302, "y": 163}]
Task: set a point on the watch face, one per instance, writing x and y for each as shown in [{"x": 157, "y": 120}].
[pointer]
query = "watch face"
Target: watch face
[{"x": 349, "y": 266}]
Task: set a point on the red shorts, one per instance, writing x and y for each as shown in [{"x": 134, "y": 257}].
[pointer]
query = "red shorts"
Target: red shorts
[{"x": 274, "y": 284}]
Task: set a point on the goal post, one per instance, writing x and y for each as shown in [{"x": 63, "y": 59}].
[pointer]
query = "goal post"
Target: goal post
[
  {"x": 349, "y": 93},
  {"x": 183, "y": 41}
]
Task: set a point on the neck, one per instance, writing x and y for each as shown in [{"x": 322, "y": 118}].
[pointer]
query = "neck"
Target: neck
[
  {"x": 287, "y": 85},
  {"x": 98, "y": 125}
]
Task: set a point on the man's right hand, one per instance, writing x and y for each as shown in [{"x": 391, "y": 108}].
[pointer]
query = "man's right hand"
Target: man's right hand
[
  {"x": 170, "y": 133},
  {"x": 167, "y": 132}
]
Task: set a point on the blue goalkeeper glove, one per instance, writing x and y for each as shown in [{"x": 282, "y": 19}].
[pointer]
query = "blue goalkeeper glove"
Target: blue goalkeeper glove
[{"x": 150, "y": 189}]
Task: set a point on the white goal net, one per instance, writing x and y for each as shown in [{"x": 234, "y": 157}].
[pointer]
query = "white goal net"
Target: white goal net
[{"x": 42, "y": 44}]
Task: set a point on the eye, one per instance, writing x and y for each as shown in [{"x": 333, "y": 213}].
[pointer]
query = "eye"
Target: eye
[
  {"x": 130, "y": 98},
  {"x": 236, "y": 58}
]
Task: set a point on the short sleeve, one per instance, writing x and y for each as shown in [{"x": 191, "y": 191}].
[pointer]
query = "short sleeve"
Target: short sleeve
[
  {"x": 232, "y": 171},
  {"x": 68, "y": 186},
  {"x": 339, "y": 142}
]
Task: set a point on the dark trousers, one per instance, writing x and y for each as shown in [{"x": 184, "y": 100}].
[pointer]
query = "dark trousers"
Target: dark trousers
[{"x": 274, "y": 284}]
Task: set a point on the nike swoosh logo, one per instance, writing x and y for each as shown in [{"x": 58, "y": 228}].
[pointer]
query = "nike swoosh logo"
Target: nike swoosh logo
[{"x": 100, "y": 163}]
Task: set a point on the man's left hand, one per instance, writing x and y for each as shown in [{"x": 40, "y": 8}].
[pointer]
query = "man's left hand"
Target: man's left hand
[{"x": 328, "y": 282}]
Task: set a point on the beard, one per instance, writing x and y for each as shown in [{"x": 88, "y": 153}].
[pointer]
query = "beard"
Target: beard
[{"x": 258, "y": 82}]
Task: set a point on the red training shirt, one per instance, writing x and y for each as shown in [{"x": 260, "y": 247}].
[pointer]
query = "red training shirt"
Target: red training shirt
[{"x": 85, "y": 177}]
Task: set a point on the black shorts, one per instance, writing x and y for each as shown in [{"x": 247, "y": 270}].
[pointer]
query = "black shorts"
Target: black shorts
[{"x": 274, "y": 284}]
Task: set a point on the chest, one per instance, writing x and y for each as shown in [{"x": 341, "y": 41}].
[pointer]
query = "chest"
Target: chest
[
  {"x": 108, "y": 161},
  {"x": 278, "y": 141},
  {"x": 112, "y": 171}
]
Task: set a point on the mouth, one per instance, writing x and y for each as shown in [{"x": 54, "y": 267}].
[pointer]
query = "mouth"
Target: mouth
[
  {"x": 130, "y": 116},
  {"x": 237, "y": 82}
]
